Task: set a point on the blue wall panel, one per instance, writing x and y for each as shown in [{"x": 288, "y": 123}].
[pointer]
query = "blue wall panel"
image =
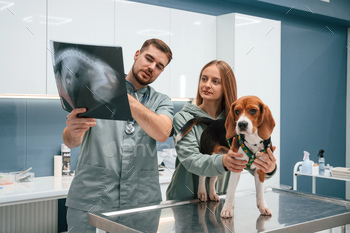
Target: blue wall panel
[
  {"x": 45, "y": 123},
  {"x": 313, "y": 99},
  {"x": 31, "y": 134},
  {"x": 13, "y": 154}
]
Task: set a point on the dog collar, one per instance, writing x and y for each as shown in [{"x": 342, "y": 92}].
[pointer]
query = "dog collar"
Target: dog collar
[
  {"x": 229, "y": 142},
  {"x": 251, "y": 156}
]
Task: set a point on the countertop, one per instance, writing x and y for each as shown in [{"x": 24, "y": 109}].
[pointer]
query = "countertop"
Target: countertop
[
  {"x": 48, "y": 188},
  {"x": 39, "y": 189}
]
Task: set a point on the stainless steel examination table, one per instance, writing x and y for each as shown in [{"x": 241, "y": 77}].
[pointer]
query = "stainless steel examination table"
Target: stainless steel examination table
[{"x": 291, "y": 212}]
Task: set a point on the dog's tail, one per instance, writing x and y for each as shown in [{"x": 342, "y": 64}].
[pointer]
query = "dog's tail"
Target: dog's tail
[{"x": 188, "y": 126}]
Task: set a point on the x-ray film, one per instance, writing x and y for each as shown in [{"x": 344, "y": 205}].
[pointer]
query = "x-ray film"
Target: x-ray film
[{"x": 92, "y": 77}]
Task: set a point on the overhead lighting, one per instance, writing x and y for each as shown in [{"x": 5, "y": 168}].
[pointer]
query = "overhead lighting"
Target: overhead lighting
[
  {"x": 243, "y": 21},
  {"x": 55, "y": 20},
  {"x": 52, "y": 20},
  {"x": 4, "y": 5},
  {"x": 153, "y": 32},
  {"x": 28, "y": 19}
]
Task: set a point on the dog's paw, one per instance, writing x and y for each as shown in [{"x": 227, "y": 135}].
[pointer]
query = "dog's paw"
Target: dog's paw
[
  {"x": 226, "y": 212},
  {"x": 214, "y": 197},
  {"x": 202, "y": 196},
  {"x": 265, "y": 210}
]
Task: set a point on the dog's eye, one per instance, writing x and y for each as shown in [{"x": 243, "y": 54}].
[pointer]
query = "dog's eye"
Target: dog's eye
[
  {"x": 237, "y": 112},
  {"x": 252, "y": 111}
]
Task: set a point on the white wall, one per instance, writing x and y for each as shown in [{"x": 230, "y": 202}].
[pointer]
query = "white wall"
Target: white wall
[
  {"x": 252, "y": 46},
  {"x": 93, "y": 25},
  {"x": 26, "y": 64},
  {"x": 22, "y": 46},
  {"x": 193, "y": 40}
]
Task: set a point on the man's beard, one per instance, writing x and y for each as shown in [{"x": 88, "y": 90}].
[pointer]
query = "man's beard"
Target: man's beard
[{"x": 139, "y": 80}]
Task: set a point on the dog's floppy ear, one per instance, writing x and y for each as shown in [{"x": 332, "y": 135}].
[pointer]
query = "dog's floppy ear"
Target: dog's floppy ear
[
  {"x": 266, "y": 123},
  {"x": 230, "y": 123}
]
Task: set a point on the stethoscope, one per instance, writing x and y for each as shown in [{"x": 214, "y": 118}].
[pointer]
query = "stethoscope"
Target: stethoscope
[{"x": 130, "y": 128}]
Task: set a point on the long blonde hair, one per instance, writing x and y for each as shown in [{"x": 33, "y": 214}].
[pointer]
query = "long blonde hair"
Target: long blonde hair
[{"x": 228, "y": 82}]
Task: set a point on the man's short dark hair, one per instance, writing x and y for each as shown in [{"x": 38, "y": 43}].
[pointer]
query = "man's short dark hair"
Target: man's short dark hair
[{"x": 159, "y": 44}]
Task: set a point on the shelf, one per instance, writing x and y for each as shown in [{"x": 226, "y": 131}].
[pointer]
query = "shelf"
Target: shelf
[{"x": 320, "y": 176}]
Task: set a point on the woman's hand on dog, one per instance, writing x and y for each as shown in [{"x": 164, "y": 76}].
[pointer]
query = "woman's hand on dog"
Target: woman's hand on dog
[
  {"x": 232, "y": 161},
  {"x": 267, "y": 162}
]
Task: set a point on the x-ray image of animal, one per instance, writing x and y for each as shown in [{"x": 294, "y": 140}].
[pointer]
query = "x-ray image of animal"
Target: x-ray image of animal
[{"x": 85, "y": 79}]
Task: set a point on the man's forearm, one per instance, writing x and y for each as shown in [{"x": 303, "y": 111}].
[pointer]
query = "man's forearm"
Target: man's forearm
[{"x": 157, "y": 126}]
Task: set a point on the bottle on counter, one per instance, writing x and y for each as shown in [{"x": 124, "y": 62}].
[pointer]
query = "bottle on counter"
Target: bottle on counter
[
  {"x": 307, "y": 164},
  {"x": 321, "y": 162},
  {"x": 65, "y": 152},
  {"x": 327, "y": 170}
]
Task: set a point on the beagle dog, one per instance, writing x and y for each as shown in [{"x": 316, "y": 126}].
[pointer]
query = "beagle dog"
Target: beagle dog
[{"x": 250, "y": 122}]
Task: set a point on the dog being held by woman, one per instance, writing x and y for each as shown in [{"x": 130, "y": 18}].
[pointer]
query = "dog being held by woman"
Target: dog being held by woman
[{"x": 248, "y": 127}]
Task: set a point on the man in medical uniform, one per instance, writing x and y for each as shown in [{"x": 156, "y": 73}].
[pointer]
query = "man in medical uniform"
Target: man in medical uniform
[{"x": 117, "y": 166}]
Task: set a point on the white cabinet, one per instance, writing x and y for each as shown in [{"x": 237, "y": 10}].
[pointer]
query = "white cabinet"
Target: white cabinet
[
  {"x": 252, "y": 46},
  {"x": 195, "y": 39},
  {"x": 193, "y": 42},
  {"x": 22, "y": 36},
  {"x": 191, "y": 37},
  {"x": 26, "y": 67},
  {"x": 134, "y": 24},
  {"x": 81, "y": 21}
]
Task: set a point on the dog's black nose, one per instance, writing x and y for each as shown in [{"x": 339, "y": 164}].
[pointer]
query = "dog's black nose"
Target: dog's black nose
[{"x": 242, "y": 125}]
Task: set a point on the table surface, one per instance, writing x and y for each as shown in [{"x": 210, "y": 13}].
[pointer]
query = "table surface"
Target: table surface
[{"x": 292, "y": 212}]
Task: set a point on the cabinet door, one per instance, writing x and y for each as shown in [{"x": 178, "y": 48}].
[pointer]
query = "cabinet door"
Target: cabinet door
[
  {"x": 258, "y": 57},
  {"x": 22, "y": 36},
  {"x": 193, "y": 41},
  {"x": 80, "y": 21},
  {"x": 134, "y": 24}
]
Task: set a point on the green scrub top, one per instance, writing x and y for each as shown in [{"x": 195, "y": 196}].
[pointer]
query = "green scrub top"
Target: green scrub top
[
  {"x": 190, "y": 162},
  {"x": 117, "y": 170}
]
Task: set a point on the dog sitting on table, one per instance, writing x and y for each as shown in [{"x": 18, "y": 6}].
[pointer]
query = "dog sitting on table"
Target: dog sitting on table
[{"x": 250, "y": 123}]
